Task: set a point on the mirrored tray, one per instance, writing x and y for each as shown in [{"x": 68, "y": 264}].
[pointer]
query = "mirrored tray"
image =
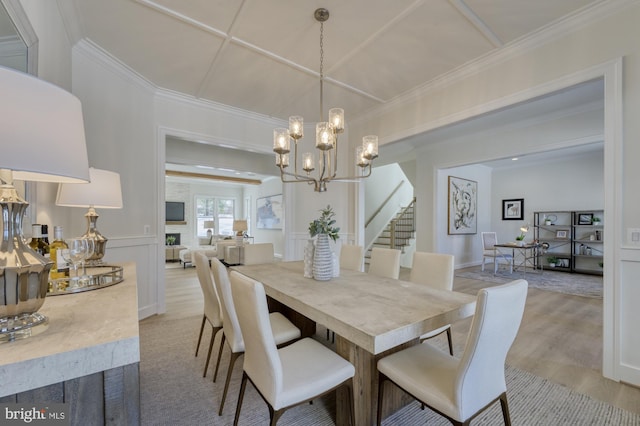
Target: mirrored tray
[{"x": 96, "y": 277}]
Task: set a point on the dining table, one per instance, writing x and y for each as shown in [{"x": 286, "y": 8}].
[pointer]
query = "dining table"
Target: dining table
[{"x": 371, "y": 316}]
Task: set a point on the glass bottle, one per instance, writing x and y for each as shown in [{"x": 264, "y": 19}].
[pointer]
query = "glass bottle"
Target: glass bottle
[
  {"x": 60, "y": 269},
  {"x": 37, "y": 243},
  {"x": 45, "y": 234}
]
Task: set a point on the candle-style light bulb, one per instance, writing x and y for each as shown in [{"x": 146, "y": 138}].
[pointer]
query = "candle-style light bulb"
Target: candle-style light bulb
[
  {"x": 281, "y": 141},
  {"x": 370, "y": 146},
  {"x": 307, "y": 162},
  {"x": 296, "y": 127}
]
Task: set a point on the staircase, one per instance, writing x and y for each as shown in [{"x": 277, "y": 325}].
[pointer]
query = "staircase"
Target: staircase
[{"x": 398, "y": 232}]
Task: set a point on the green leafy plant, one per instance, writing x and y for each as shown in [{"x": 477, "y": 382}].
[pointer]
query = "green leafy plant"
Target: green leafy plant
[
  {"x": 552, "y": 259},
  {"x": 171, "y": 240},
  {"x": 520, "y": 237},
  {"x": 325, "y": 224},
  {"x": 595, "y": 221}
]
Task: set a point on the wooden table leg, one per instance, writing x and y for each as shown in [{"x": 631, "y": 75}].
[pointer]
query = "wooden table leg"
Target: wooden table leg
[{"x": 365, "y": 386}]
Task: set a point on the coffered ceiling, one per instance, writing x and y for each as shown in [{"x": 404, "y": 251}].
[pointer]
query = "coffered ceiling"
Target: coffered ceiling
[{"x": 263, "y": 56}]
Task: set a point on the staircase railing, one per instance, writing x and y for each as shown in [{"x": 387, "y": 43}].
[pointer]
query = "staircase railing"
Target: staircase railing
[
  {"x": 398, "y": 226},
  {"x": 384, "y": 203}
]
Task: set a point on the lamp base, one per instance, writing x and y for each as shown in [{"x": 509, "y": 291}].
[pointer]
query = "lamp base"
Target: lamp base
[
  {"x": 22, "y": 326},
  {"x": 99, "y": 240},
  {"x": 24, "y": 274}
]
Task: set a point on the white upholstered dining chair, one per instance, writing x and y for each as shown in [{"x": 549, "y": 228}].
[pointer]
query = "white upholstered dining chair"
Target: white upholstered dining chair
[
  {"x": 212, "y": 311},
  {"x": 435, "y": 270},
  {"x": 258, "y": 253},
  {"x": 284, "y": 377},
  {"x": 282, "y": 329},
  {"x": 385, "y": 262},
  {"x": 489, "y": 240},
  {"x": 459, "y": 389},
  {"x": 351, "y": 257}
]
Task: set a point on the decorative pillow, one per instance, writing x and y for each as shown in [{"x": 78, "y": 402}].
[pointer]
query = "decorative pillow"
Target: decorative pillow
[{"x": 204, "y": 241}]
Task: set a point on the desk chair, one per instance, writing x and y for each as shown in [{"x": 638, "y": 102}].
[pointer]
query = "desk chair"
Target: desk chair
[
  {"x": 489, "y": 240},
  {"x": 460, "y": 389},
  {"x": 435, "y": 270},
  {"x": 385, "y": 262},
  {"x": 282, "y": 329},
  {"x": 211, "y": 303},
  {"x": 284, "y": 377}
]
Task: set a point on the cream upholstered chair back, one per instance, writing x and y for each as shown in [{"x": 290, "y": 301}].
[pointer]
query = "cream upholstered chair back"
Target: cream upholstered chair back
[
  {"x": 385, "y": 262},
  {"x": 489, "y": 239},
  {"x": 494, "y": 327},
  {"x": 261, "y": 359},
  {"x": 230, "y": 326},
  {"x": 258, "y": 253},
  {"x": 351, "y": 257},
  {"x": 433, "y": 269},
  {"x": 211, "y": 303}
]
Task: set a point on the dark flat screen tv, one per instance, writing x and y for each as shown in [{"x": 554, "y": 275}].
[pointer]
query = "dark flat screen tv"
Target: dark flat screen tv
[{"x": 174, "y": 211}]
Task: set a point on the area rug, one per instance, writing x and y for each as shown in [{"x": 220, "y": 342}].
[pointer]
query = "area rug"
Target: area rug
[
  {"x": 560, "y": 282},
  {"x": 173, "y": 391}
]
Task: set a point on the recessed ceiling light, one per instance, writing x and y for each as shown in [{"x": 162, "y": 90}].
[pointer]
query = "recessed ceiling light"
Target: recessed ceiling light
[
  {"x": 514, "y": 159},
  {"x": 205, "y": 167}
]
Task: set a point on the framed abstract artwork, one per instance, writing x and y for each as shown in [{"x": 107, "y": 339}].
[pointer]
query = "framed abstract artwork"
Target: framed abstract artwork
[
  {"x": 513, "y": 209},
  {"x": 269, "y": 212},
  {"x": 463, "y": 202}
]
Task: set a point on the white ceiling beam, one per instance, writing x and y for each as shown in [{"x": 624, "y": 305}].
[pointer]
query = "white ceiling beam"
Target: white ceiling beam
[{"x": 475, "y": 20}]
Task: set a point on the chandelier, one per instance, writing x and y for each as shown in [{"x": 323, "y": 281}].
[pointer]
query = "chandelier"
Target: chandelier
[{"x": 326, "y": 140}]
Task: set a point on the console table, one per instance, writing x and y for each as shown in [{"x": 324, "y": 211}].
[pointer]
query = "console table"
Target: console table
[{"x": 88, "y": 356}]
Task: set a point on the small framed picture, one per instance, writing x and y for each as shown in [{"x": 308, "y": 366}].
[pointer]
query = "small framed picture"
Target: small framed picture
[
  {"x": 585, "y": 218},
  {"x": 563, "y": 263},
  {"x": 562, "y": 234},
  {"x": 513, "y": 209}
]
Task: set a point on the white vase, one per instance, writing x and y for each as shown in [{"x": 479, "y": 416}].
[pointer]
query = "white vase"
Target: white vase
[
  {"x": 322, "y": 261},
  {"x": 308, "y": 259}
]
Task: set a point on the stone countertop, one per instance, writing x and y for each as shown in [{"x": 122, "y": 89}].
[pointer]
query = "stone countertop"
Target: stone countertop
[{"x": 88, "y": 332}]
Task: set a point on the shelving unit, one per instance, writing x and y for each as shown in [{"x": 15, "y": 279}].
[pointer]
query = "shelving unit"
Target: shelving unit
[
  {"x": 588, "y": 248},
  {"x": 573, "y": 238},
  {"x": 555, "y": 229}
]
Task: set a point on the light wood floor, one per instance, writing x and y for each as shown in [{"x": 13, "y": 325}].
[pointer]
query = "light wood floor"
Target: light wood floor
[{"x": 560, "y": 337}]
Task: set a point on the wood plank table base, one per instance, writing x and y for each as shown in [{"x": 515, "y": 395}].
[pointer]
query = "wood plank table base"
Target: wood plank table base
[{"x": 365, "y": 386}]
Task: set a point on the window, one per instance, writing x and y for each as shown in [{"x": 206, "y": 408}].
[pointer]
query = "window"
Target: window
[{"x": 220, "y": 210}]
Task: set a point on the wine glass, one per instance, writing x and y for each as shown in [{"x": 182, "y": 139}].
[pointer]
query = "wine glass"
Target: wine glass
[{"x": 76, "y": 253}]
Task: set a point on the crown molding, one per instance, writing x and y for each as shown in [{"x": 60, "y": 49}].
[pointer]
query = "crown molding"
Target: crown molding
[
  {"x": 559, "y": 28},
  {"x": 90, "y": 50}
]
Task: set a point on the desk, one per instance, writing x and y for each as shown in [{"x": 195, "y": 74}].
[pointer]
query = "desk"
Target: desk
[
  {"x": 528, "y": 255},
  {"x": 371, "y": 316}
]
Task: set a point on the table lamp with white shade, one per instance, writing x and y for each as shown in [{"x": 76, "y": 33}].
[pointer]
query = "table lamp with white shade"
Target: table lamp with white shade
[
  {"x": 209, "y": 225},
  {"x": 42, "y": 137},
  {"x": 104, "y": 192},
  {"x": 240, "y": 226}
]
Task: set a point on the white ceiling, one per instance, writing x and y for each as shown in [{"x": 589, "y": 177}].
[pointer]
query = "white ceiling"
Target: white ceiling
[{"x": 263, "y": 56}]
